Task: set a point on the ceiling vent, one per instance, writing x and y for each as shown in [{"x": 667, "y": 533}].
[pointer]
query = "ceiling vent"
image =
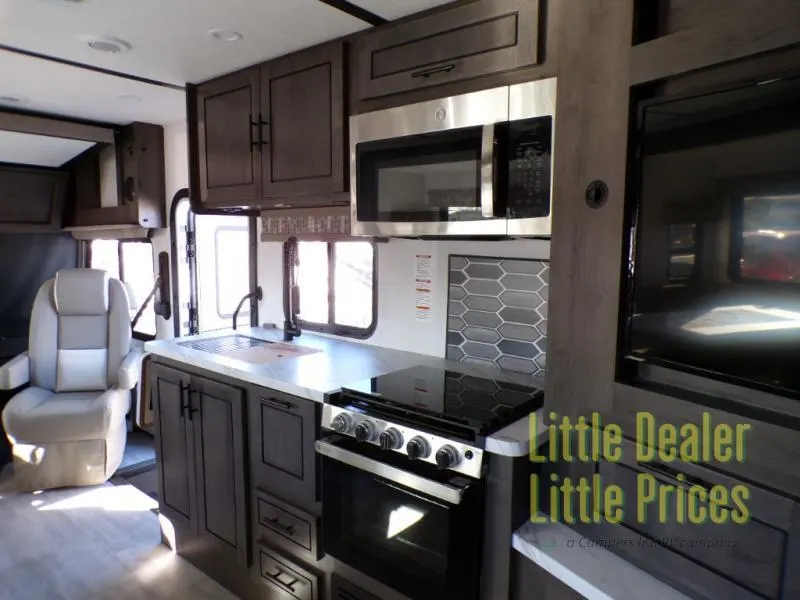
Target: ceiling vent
[{"x": 103, "y": 43}]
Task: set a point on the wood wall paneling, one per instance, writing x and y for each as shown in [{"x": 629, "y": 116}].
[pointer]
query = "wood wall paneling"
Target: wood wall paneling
[
  {"x": 705, "y": 33},
  {"x": 590, "y": 144}
]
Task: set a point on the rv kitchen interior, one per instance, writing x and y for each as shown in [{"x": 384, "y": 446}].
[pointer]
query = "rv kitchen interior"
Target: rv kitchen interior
[{"x": 400, "y": 299}]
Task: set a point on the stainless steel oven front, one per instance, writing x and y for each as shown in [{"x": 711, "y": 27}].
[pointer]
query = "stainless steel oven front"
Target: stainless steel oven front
[
  {"x": 404, "y": 523},
  {"x": 478, "y": 164}
]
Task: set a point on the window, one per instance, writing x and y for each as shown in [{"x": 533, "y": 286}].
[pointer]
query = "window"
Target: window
[
  {"x": 213, "y": 264},
  {"x": 337, "y": 287},
  {"x": 683, "y": 245},
  {"x": 130, "y": 261}
]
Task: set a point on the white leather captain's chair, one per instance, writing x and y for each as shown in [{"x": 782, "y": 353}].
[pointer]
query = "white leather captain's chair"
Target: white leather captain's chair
[{"x": 68, "y": 428}]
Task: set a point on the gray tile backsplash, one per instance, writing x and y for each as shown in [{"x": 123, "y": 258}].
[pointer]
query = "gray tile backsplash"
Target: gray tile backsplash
[{"x": 497, "y": 312}]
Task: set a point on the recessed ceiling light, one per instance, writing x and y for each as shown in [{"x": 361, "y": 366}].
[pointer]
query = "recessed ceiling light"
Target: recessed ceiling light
[
  {"x": 13, "y": 99},
  {"x": 130, "y": 97},
  {"x": 226, "y": 35},
  {"x": 106, "y": 43}
]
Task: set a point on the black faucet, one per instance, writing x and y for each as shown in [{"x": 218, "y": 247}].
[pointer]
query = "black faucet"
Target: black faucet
[
  {"x": 291, "y": 291},
  {"x": 257, "y": 294}
]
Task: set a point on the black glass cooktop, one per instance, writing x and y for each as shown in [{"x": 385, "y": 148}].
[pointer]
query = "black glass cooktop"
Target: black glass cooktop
[{"x": 444, "y": 399}]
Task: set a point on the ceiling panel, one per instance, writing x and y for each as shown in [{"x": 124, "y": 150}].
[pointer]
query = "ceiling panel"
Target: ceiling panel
[
  {"x": 26, "y": 149},
  {"x": 63, "y": 90},
  {"x": 169, "y": 38},
  {"x": 394, "y": 9}
]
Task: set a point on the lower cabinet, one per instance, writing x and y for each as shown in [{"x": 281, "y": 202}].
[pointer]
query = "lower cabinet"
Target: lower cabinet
[
  {"x": 285, "y": 578},
  {"x": 341, "y": 589},
  {"x": 283, "y": 461},
  {"x": 200, "y": 451}
]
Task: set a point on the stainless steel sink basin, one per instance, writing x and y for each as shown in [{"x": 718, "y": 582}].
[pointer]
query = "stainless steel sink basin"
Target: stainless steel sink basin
[{"x": 248, "y": 349}]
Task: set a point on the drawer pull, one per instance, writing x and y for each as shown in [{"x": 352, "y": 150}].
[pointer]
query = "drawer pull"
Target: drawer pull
[
  {"x": 425, "y": 73},
  {"x": 277, "y": 522},
  {"x": 276, "y": 576},
  {"x": 279, "y": 403}
]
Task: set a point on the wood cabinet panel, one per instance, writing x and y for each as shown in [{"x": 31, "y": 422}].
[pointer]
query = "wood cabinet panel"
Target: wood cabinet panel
[
  {"x": 31, "y": 199},
  {"x": 470, "y": 40},
  {"x": 219, "y": 447},
  {"x": 227, "y": 139},
  {"x": 283, "y": 430},
  {"x": 177, "y": 490},
  {"x": 285, "y": 526},
  {"x": 303, "y": 124}
]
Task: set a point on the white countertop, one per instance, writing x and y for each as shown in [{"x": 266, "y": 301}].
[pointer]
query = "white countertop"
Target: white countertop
[
  {"x": 340, "y": 362},
  {"x": 589, "y": 569}
]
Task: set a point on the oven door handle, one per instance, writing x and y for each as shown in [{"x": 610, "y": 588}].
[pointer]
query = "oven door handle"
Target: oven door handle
[
  {"x": 414, "y": 482},
  {"x": 487, "y": 172}
]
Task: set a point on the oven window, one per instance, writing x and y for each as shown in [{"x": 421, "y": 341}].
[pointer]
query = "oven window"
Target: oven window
[
  {"x": 427, "y": 178},
  {"x": 420, "y": 546}
]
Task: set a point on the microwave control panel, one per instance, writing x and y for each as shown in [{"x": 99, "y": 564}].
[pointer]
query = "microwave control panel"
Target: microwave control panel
[{"x": 530, "y": 144}]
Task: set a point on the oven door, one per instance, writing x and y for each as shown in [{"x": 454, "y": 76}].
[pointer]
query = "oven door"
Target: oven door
[
  {"x": 418, "y": 534},
  {"x": 429, "y": 168}
]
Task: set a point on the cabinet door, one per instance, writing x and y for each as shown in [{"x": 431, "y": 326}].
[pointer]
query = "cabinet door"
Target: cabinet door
[
  {"x": 177, "y": 491},
  {"x": 283, "y": 430},
  {"x": 303, "y": 124},
  {"x": 227, "y": 139},
  {"x": 217, "y": 416},
  {"x": 31, "y": 199},
  {"x": 470, "y": 40}
]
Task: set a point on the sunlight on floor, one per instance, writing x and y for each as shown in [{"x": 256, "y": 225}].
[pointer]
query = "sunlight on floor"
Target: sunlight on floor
[
  {"x": 157, "y": 566},
  {"x": 109, "y": 498}
]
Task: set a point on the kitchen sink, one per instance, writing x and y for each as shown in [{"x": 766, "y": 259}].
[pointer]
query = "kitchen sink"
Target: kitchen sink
[{"x": 248, "y": 349}]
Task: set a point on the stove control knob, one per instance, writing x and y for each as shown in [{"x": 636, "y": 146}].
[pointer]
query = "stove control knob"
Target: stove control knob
[
  {"x": 418, "y": 447},
  {"x": 391, "y": 439},
  {"x": 365, "y": 431},
  {"x": 342, "y": 423},
  {"x": 447, "y": 457}
]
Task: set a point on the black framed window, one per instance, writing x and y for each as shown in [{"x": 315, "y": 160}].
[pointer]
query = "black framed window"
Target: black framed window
[
  {"x": 338, "y": 287},
  {"x": 213, "y": 265},
  {"x": 132, "y": 262}
]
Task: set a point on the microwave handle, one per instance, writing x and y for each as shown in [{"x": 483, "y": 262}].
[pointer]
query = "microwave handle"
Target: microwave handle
[{"x": 487, "y": 172}]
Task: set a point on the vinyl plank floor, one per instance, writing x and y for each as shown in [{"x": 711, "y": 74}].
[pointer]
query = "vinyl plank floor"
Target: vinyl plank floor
[{"x": 95, "y": 543}]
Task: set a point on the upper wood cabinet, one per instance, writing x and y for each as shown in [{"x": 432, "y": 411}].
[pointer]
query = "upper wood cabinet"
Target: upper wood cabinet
[
  {"x": 273, "y": 135},
  {"x": 31, "y": 199},
  {"x": 302, "y": 111},
  {"x": 470, "y": 40},
  {"x": 227, "y": 137}
]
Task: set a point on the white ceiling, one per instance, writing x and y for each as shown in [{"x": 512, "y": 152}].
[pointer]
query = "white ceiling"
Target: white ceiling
[
  {"x": 170, "y": 44},
  {"x": 26, "y": 149},
  {"x": 394, "y": 9},
  {"x": 68, "y": 91},
  {"x": 170, "y": 37}
]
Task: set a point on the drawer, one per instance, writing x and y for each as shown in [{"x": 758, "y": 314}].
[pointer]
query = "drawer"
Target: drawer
[
  {"x": 285, "y": 577},
  {"x": 467, "y": 41},
  {"x": 287, "y": 526},
  {"x": 341, "y": 589},
  {"x": 745, "y": 560}
]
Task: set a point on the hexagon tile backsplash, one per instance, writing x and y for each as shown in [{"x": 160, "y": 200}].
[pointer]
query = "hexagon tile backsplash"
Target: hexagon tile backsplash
[{"x": 497, "y": 312}]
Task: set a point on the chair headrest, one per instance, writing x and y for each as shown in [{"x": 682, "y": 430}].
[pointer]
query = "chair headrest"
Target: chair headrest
[{"x": 81, "y": 292}]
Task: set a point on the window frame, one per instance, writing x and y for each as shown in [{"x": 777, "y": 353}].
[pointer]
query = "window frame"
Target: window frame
[
  {"x": 138, "y": 335},
  {"x": 331, "y": 327},
  {"x": 190, "y": 306}
]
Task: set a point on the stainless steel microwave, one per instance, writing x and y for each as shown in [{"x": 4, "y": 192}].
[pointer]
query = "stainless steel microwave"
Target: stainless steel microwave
[{"x": 478, "y": 164}]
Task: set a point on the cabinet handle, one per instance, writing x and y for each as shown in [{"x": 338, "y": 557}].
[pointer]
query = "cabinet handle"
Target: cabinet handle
[
  {"x": 189, "y": 408},
  {"x": 425, "y": 73},
  {"x": 286, "y": 405},
  {"x": 277, "y": 522},
  {"x": 253, "y": 142},
  {"x": 182, "y": 398},
  {"x": 261, "y": 123},
  {"x": 276, "y": 576}
]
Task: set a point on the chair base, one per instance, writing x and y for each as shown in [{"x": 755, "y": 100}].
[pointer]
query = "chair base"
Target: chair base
[{"x": 67, "y": 464}]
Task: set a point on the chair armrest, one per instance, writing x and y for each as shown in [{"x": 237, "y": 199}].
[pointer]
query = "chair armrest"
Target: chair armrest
[
  {"x": 16, "y": 372},
  {"x": 129, "y": 370}
]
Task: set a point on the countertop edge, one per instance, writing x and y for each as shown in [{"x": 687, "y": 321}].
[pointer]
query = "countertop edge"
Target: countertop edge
[{"x": 590, "y": 570}]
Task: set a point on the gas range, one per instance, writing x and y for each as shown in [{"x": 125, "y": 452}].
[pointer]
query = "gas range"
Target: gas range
[{"x": 430, "y": 415}]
